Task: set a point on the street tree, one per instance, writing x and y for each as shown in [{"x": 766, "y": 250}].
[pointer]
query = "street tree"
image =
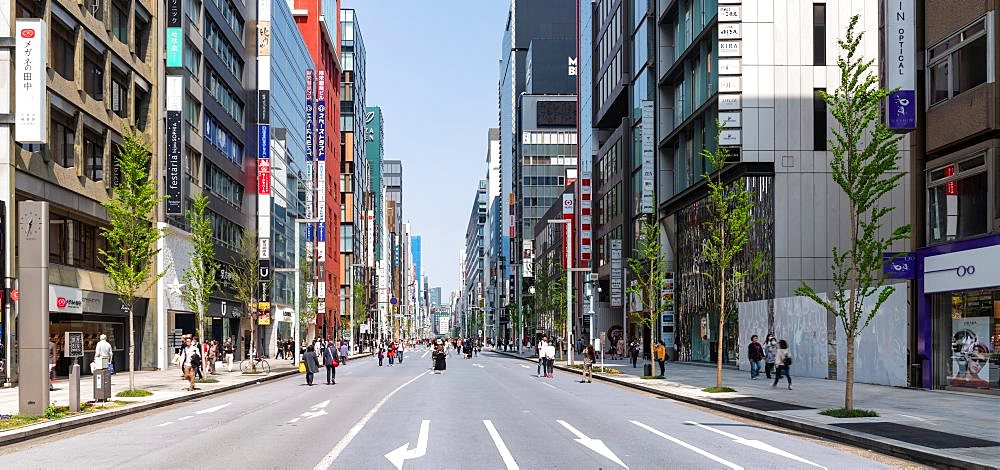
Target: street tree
[
  {"x": 131, "y": 236},
  {"x": 866, "y": 167},
  {"x": 246, "y": 282},
  {"x": 729, "y": 223},
  {"x": 200, "y": 276},
  {"x": 360, "y": 306},
  {"x": 308, "y": 300},
  {"x": 649, "y": 268}
]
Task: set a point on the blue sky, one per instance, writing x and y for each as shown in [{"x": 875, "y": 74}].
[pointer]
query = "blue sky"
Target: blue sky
[{"x": 432, "y": 67}]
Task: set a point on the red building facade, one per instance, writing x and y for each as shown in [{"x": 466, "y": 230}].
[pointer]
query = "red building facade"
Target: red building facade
[{"x": 321, "y": 32}]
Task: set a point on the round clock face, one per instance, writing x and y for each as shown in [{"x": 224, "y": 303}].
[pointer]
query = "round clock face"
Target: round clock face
[{"x": 30, "y": 223}]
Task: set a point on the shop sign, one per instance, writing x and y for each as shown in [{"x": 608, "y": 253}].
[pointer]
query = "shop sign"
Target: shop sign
[
  {"x": 969, "y": 269},
  {"x": 729, "y": 101},
  {"x": 646, "y": 202},
  {"x": 63, "y": 299},
  {"x": 174, "y": 170},
  {"x": 899, "y": 265},
  {"x": 616, "y": 273},
  {"x": 73, "y": 346},
  {"x": 30, "y": 82},
  {"x": 175, "y": 47},
  {"x": 263, "y": 313},
  {"x": 900, "y": 67},
  {"x": 93, "y": 301},
  {"x": 729, "y": 13}
]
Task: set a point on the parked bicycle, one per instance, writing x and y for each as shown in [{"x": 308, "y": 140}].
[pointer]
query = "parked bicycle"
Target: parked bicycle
[{"x": 257, "y": 365}]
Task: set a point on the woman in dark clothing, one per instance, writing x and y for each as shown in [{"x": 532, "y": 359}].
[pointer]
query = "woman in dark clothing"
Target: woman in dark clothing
[
  {"x": 312, "y": 363},
  {"x": 439, "y": 359}
]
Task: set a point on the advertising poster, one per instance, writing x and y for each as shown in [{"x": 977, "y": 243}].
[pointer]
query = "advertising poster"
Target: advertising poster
[
  {"x": 970, "y": 352},
  {"x": 263, "y": 313}
]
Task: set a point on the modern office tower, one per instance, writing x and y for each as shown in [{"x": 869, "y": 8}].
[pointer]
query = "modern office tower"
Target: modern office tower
[
  {"x": 375, "y": 153},
  {"x": 318, "y": 23},
  {"x": 474, "y": 274},
  {"x": 392, "y": 180},
  {"x": 498, "y": 321}
]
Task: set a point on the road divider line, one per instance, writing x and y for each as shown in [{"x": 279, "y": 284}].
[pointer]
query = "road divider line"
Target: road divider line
[
  {"x": 331, "y": 457},
  {"x": 168, "y": 423},
  {"x": 756, "y": 444},
  {"x": 212, "y": 409},
  {"x": 182, "y": 418},
  {"x": 553, "y": 387},
  {"x": 505, "y": 454},
  {"x": 687, "y": 446}
]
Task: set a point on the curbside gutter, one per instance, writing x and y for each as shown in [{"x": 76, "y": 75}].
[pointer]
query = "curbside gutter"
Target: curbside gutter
[
  {"x": 33, "y": 431},
  {"x": 902, "y": 450}
]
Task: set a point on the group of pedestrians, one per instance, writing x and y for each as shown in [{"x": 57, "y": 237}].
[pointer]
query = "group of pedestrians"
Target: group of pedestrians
[
  {"x": 324, "y": 353},
  {"x": 546, "y": 357},
  {"x": 286, "y": 349},
  {"x": 775, "y": 356},
  {"x": 393, "y": 351}
]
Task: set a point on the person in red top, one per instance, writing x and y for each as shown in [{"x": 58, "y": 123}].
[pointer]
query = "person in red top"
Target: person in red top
[{"x": 392, "y": 354}]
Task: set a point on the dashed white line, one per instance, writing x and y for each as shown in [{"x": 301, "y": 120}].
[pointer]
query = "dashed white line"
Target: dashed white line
[
  {"x": 182, "y": 418},
  {"x": 505, "y": 454},
  {"x": 212, "y": 409},
  {"x": 329, "y": 458},
  {"x": 688, "y": 446},
  {"x": 168, "y": 423},
  {"x": 553, "y": 387}
]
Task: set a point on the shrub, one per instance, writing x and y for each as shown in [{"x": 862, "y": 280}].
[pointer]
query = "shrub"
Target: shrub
[{"x": 849, "y": 413}]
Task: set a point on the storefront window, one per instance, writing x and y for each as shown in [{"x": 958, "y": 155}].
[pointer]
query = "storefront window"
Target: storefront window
[
  {"x": 968, "y": 338},
  {"x": 957, "y": 198}
]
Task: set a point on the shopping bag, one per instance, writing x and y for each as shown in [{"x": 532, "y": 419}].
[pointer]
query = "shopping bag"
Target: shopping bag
[{"x": 302, "y": 367}]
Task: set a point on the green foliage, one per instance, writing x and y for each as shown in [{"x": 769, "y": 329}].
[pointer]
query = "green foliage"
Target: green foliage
[
  {"x": 360, "y": 304},
  {"x": 849, "y": 413},
  {"x": 246, "y": 275},
  {"x": 729, "y": 224},
  {"x": 549, "y": 300},
  {"x": 133, "y": 393},
  {"x": 718, "y": 390},
  {"x": 207, "y": 380},
  {"x": 866, "y": 167},
  {"x": 130, "y": 236},
  {"x": 52, "y": 411},
  {"x": 649, "y": 268},
  {"x": 309, "y": 301},
  {"x": 199, "y": 277}
]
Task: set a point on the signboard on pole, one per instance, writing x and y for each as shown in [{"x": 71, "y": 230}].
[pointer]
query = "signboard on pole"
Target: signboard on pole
[
  {"x": 900, "y": 70},
  {"x": 617, "y": 282},
  {"x": 30, "y": 82},
  {"x": 648, "y": 159},
  {"x": 175, "y": 134},
  {"x": 73, "y": 346}
]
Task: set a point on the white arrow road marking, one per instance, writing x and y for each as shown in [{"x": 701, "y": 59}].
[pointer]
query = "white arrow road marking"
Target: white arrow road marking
[
  {"x": 212, "y": 409},
  {"x": 330, "y": 457},
  {"x": 478, "y": 365},
  {"x": 689, "y": 446},
  {"x": 316, "y": 410},
  {"x": 168, "y": 423},
  {"x": 402, "y": 454},
  {"x": 595, "y": 445},
  {"x": 757, "y": 445},
  {"x": 508, "y": 459}
]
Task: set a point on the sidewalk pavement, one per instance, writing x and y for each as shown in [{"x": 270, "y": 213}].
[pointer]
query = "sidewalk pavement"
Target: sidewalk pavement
[
  {"x": 941, "y": 428},
  {"x": 168, "y": 388}
]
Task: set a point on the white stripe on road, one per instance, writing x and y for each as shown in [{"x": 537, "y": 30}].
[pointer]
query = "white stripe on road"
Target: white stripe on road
[
  {"x": 508, "y": 459},
  {"x": 525, "y": 366},
  {"x": 688, "y": 446},
  {"x": 425, "y": 354},
  {"x": 478, "y": 365},
  {"x": 182, "y": 418},
  {"x": 168, "y": 423},
  {"x": 212, "y": 409},
  {"x": 757, "y": 444},
  {"x": 329, "y": 458},
  {"x": 553, "y": 387},
  {"x": 595, "y": 445}
]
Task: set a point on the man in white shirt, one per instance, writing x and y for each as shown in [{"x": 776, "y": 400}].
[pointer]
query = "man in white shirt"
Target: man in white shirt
[
  {"x": 103, "y": 350},
  {"x": 550, "y": 358},
  {"x": 541, "y": 355},
  {"x": 190, "y": 357}
]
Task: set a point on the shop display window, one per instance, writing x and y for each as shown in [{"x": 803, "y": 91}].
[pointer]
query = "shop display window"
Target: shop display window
[
  {"x": 968, "y": 339},
  {"x": 92, "y": 331}
]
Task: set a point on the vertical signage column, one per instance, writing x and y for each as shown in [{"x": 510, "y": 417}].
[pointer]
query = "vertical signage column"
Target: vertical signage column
[
  {"x": 730, "y": 74},
  {"x": 30, "y": 82},
  {"x": 174, "y": 184},
  {"x": 321, "y": 187},
  {"x": 900, "y": 70},
  {"x": 263, "y": 118},
  {"x": 647, "y": 200},
  {"x": 310, "y": 227}
]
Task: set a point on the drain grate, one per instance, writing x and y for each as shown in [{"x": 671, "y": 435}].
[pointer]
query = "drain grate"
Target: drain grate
[
  {"x": 763, "y": 404},
  {"x": 919, "y": 436}
]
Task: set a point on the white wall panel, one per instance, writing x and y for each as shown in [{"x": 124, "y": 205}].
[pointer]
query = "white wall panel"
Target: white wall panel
[
  {"x": 880, "y": 354},
  {"x": 752, "y": 321},
  {"x": 802, "y": 323},
  {"x": 765, "y": 35},
  {"x": 752, "y": 85},
  {"x": 751, "y": 130}
]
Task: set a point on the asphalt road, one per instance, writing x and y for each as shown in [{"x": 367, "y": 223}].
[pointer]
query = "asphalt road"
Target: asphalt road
[{"x": 488, "y": 412}]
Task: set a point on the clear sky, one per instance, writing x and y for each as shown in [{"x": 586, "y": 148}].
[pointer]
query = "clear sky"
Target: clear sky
[{"x": 433, "y": 67}]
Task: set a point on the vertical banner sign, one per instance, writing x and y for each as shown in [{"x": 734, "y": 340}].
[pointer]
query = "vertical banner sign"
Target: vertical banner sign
[
  {"x": 586, "y": 205},
  {"x": 310, "y": 166},
  {"x": 321, "y": 153},
  {"x": 568, "y": 208},
  {"x": 174, "y": 104},
  {"x": 648, "y": 159},
  {"x": 900, "y": 70},
  {"x": 175, "y": 34},
  {"x": 730, "y": 73},
  {"x": 617, "y": 280},
  {"x": 30, "y": 82},
  {"x": 263, "y": 118}
]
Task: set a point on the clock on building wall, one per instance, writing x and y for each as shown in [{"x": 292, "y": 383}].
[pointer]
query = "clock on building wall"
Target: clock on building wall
[{"x": 30, "y": 223}]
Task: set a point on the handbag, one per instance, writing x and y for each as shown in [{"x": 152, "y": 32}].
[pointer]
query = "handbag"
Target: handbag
[
  {"x": 334, "y": 363},
  {"x": 788, "y": 361},
  {"x": 302, "y": 367},
  {"x": 111, "y": 367}
]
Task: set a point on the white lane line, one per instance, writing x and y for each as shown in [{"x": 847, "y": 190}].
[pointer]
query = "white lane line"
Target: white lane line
[
  {"x": 689, "y": 446},
  {"x": 525, "y": 366},
  {"x": 508, "y": 459},
  {"x": 757, "y": 445},
  {"x": 182, "y": 418},
  {"x": 425, "y": 354},
  {"x": 595, "y": 445},
  {"x": 212, "y": 409},
  {"x": 479, "y": 365},
  {"x": 553, "y": 387},
  {"x": 168, "y": 423},
  {"x": 293, "y": 420},
  {"x": 329, "y": 458}
]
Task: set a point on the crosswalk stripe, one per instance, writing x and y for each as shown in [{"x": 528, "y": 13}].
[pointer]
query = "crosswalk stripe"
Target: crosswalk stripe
[
  {"x": 688, "y": 446},
  {"x": 505, "y": 454}
]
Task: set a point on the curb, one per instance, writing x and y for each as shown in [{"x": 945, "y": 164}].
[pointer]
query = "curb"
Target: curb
[
  {"x": 25, "y": 433},
  {"x": 855, "y": 439}
]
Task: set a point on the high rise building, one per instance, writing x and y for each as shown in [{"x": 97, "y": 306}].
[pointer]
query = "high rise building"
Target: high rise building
[
  {"x": 354, "y": 173},
  {"x": 375, "y": 213},
  {"x": 318, "y": 23},
  {"x": 392, "y": 180},
  {"x": 474, "y": 264},
  {"x": 435, "y": 296},
  {"x": 497, "y": 322}
]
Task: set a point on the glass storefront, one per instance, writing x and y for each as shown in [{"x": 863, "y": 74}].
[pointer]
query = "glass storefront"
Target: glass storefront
[
  {"x": 92, "y": 327},
  {"x": 967, "y": 339}
]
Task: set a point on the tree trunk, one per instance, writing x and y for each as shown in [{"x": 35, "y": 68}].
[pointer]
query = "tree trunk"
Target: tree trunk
[
  {"x": 722, "y": 322},
  {"x": 849, "y": 382},
  {"x": 131, "y": 348}
]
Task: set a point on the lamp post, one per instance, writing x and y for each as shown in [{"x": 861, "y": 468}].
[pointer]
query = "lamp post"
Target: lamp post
[{"x": 568, "y": 241}]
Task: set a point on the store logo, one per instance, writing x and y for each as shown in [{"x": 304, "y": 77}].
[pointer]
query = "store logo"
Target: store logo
[
  {"x": 61, "y": 302},
  {"x": 27, "y": 33},
  {"x": 961, "y": 271}
]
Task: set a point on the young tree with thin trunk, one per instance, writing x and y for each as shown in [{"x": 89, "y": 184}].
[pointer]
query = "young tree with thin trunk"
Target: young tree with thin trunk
[
  {"x": 649, "y": 268},
  {"x": 729, "y": 224},
  {"x": 131, "y": 236},
  {"x": 199, "y": 277},
  {"x": 309, "y": 302},
  {"x": 866, "y": 167},
  {"x": 246, "y": 282}
]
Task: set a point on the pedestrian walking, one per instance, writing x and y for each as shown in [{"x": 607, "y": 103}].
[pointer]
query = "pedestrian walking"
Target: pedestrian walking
[
  {"x": 312, "y": 364},
  {"x": 344, "y": 352},
  {"x": 439, "y": 357},
  {"x": 550, "y": 359},
  {"x": 381, "y": 354},
  {"x": 589, "y": 356},
  {"x": 228, "y": 350},
  {"x": 755, "y": 353},
  {"x": 540, "y": 347},
  {"x": 201, "y": 355},
  {"x": 634, "y": 353},
  {"x": 190, "y": 360},
  {"x": 103, "y": 350},
  {"x": 784, "y": 361},
  {"x": 399, "y": 354},
  {"x": 53, "y": 358},
  {"x": 770, "y": 354},
  {"x": 392, "y": 354},
  {"x": 620, "y": 349},
  {"x": 331, "y": 360},
  {"x": 213, "y": 355},
  {"x": 280, "y": 353},
  {"x": 660, "y": 355}
]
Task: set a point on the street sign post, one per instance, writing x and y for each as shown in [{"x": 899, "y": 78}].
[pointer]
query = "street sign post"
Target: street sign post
[{"x": 73, "y": 347}]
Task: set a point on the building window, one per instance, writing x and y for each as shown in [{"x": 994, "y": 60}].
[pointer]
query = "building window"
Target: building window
[
  {"x": 959, "y": 63},
  {"x": 217, "y": 41},
  {"x": 63, "y": 139},
  {"x": 96, "y": 8},
  {"x": 221, "y": 184},
  {"x": 819, "y": 121},
  {"x": 141, "y": 37},
  {"x": 224, "y": 96},
  {"x": 231, "y": 15},
  {"x": 819, "y": 34},
  {"x": 192, "y": 58},
  {"x": 193, "y": 167},
  {"x": 957, "y": 197},
  {"x": 119, "y": 95},
  {"x": 93, "y": 152},
  {"x": 192, "y": 111},
  {"x": 223, "y": 140},
  {"x": 63, "y": 50},
  {"x": 141, "y": 111},
  {"x": 93, "y": 74},
  {"x": 192, "y": 8},
  {"x": 119, "y": 21}
]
